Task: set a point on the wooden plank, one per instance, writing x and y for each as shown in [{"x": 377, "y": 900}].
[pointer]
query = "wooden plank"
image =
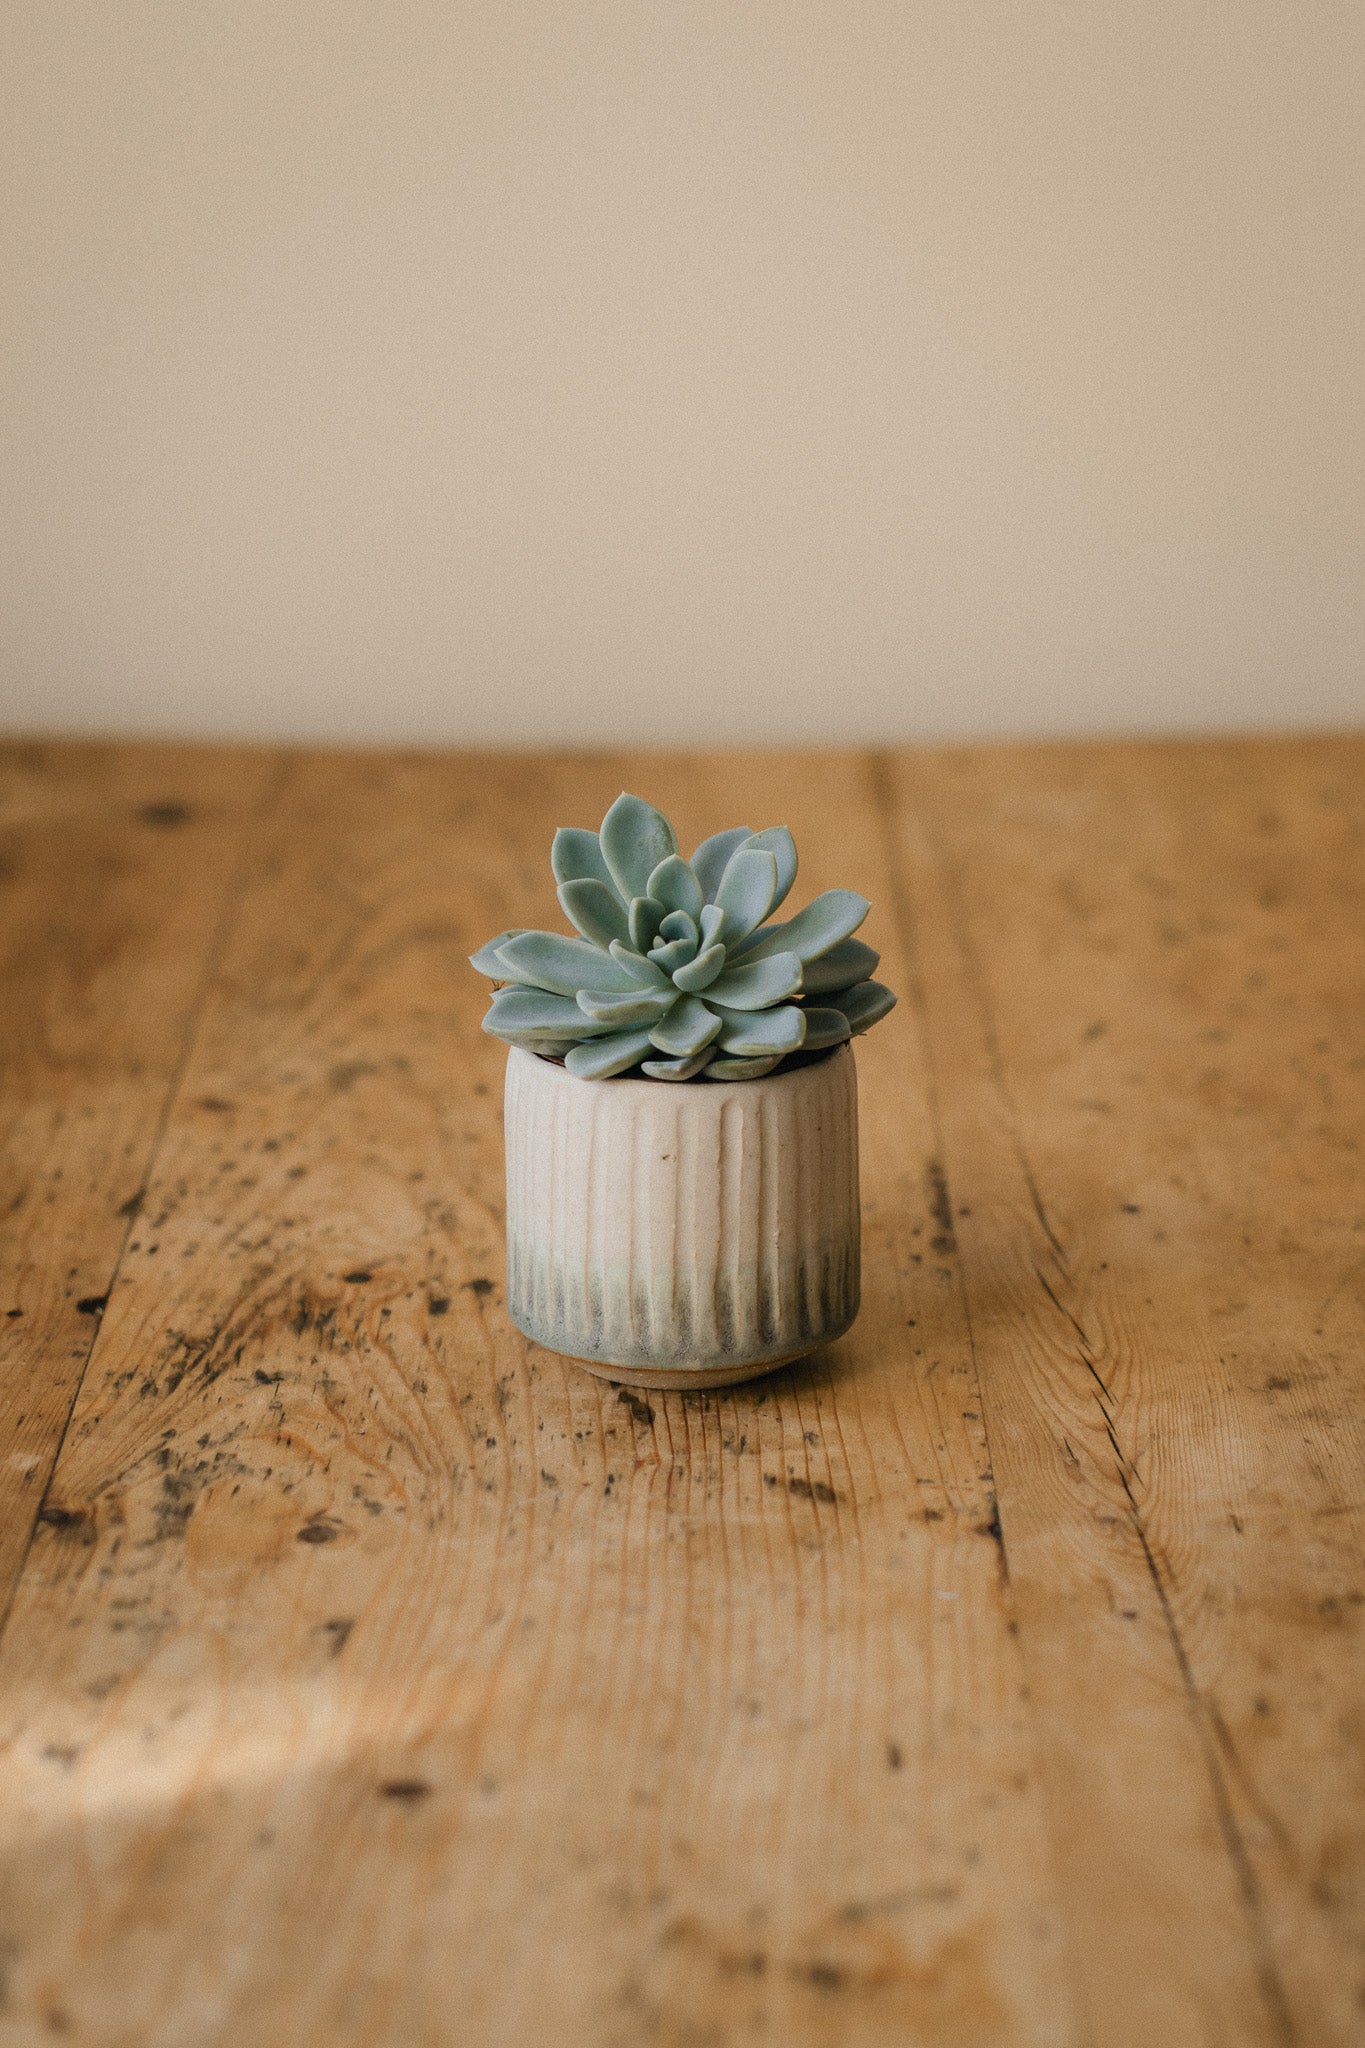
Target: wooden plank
[
  {"x": 113, "y": 888},
  {"x": 1142, "y": 981},
  {"x": 386, "y": 1680}
]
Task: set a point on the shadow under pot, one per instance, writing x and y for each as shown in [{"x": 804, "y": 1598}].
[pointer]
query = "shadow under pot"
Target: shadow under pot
[{"x": 682, "y": 1235}]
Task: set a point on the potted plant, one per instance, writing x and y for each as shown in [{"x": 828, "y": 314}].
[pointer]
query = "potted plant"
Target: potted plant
[{"x": 682, "y": 1235}]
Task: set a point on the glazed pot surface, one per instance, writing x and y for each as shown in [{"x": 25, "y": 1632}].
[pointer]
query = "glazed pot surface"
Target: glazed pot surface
[{"x": 688, "y": 1233}]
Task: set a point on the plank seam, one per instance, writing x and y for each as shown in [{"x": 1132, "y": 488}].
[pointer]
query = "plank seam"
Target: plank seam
[
  {"x": 902, "y": 917},
  {"x": 220, "y": 938}
]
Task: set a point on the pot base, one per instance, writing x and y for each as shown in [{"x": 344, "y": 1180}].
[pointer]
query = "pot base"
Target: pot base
[{"x": 662, "y": 1379}]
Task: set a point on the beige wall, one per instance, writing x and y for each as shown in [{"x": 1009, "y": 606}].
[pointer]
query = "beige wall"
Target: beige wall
[{"x": 467, "y": 369}]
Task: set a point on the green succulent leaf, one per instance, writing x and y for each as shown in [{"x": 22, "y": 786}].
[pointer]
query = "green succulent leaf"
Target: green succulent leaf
[
  {"x": 824, "y": 1027},
  {"x": 530, "y": 1012},
  {"x": 680, "y": 954},
  {"x": 562, "y": 965},
  {"x": 688, "y": 1027},
  {"x": 676, "y": 944},
  {"x": 675, "y": 886},
  {"x": 711, "y": 919},
  {"x": 759, "y": 1034},
  {"x": 596, "y": 909},
  {"x": 865, "y": 1005},
  {"x": 677, "y": 1070},
  {"x": 701, "y": 972},
  {"x": 576, "y": 856},
  {"x": 844, "y": 964},
  {"x": 755, "y": 984},
  {"x": 486, "y": 959},
  {"x": 603, "y": 1057},
  {"x": 817, "y": 928},
  {"x": 643, "y": 1006},
  {"x": 739, "y": 1070},
  {"x": 712, "y": 857},
  {"x": 634, "y": 839},
  {"x": 640, "y": 970},
  {"x": 777, "y": 841},
  {"x": 746, "y": 891},
  {"x": 530, "y": 1041},
  {"x": 645, "y": 918}
]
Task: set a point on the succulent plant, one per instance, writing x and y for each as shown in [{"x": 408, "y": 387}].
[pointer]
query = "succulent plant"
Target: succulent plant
[{"x": 675, "y": 971}]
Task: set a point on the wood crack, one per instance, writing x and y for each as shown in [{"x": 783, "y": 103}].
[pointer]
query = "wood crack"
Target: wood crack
[
  {"x": 1205, "y": 1714},
  {"x": 1272, "y": 1988}
]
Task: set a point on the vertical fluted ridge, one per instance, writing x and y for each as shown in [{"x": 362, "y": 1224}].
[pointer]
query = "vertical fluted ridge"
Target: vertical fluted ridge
[{"x": 704, "y": 1225}]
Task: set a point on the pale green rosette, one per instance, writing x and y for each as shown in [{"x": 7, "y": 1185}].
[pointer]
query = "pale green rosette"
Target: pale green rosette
[{"x": 677, "y": 971}]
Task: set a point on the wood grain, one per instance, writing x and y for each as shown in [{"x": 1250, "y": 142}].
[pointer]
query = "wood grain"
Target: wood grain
[
  {"x": 387, "y": 1680},
  {"x": 993, "y": 1678},
  {"x": 1142, "y": 976},
  {"x": 116, "y": 868}
]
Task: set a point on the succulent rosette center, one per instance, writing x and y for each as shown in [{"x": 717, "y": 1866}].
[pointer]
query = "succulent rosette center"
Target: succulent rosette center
[{"x": 676, "y": 968}]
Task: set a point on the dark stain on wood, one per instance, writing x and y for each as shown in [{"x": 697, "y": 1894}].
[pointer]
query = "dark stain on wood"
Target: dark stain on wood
[
  {"x": 62, "y": 1518},
  {"x": 811, "y": 1489}
]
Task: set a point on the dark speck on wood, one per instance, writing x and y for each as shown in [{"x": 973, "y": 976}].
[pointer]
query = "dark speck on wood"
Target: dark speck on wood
[
  {"x": 358, "y": 1278},
  {"x": 165, "y": 816},
  {"x": 410, "y": 1790},
  {"x": 91, "y": 1304},
  {"x": 343, "y": 1077},
  {"x": 811, "y": 1489},
  {"x": 479, "y": 1286},
  {"x": 61, "y": 1518}
]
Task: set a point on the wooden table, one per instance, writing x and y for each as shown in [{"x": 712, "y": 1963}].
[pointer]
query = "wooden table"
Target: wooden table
[{"x": 371, "y": 1676}]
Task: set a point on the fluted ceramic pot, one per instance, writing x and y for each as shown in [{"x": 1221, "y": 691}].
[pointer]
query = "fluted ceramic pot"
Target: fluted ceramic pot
[{"x": 682, "y": 1233}]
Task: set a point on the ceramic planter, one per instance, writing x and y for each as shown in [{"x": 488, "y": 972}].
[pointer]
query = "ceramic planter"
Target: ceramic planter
[{"x": 682, "y": 1234}]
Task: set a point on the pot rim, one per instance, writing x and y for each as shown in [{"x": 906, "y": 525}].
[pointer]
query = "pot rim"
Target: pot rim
[{"x": 792, "y": 1065}]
